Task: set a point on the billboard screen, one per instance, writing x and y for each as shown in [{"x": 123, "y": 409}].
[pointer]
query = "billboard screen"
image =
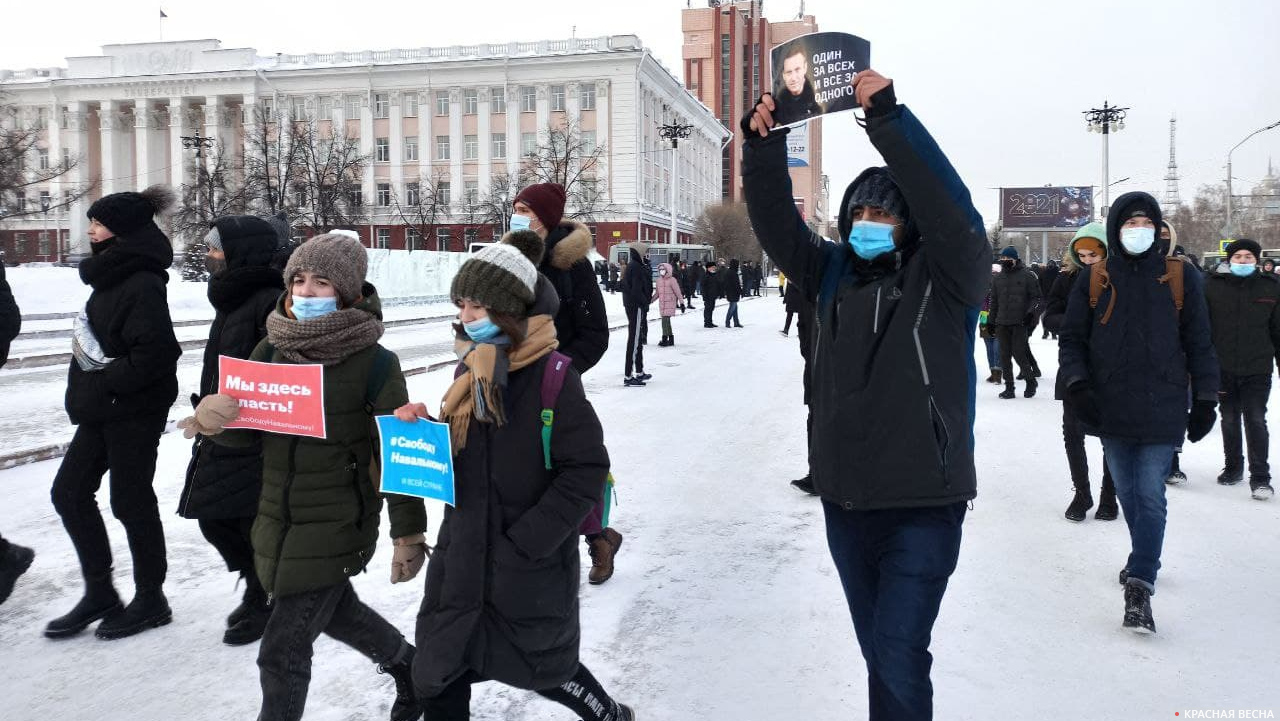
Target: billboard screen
[{"x": 1049, "y": 208}]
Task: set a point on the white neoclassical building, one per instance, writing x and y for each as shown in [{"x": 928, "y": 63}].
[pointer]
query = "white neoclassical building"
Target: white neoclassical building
[{"x": 458, "y": 115}]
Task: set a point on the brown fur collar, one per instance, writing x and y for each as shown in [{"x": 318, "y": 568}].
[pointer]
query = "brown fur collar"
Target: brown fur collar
[{"x": 573, "y": 246}]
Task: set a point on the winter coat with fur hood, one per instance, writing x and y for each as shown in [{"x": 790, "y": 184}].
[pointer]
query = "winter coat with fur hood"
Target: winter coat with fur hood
[
  {"x": 667, "y": 291},
  {"x": 581, "y": 323}
]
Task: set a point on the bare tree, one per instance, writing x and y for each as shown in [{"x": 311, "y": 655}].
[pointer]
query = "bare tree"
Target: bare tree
[
  {"x": 495, "y": 205},
  {"x": 727, "y": 228},
  {"x": 423, "y": 208},
  {"x": 272, "y": 165},
  {"x": 214, "y": 192},
  {"x": 313, "y": 174},
  {"x": 26, "y": 168},
  {"x": 571, "y": 157}
]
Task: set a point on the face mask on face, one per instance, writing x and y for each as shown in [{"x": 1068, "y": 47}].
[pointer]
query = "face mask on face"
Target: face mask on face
[
  {"x": 663, "y": 271},
  {"x": 1136, "y": 241},
  {"x": 520, "y": 222},
  {"x": 1243, "y": 269},
  {"x": 870, "y": 239},
  {"x": 308, "y": 308},
  {"x": 215, "y": 265},
  {"x": 482, "y": 330}
]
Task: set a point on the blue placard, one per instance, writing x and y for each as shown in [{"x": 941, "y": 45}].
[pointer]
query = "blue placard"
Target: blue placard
[{"x": 417, "y": 458}]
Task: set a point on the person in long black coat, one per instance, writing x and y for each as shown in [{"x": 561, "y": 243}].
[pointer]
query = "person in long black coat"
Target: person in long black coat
[
  {"x": 1015, "y": 304},
  {"x": 711, "y": 290},
  {"x": 120, "y": 386},
  {"x": 223, "y": 483},
  {"x": 14, "y": 559},
  {"x": 637, "y": 294}
]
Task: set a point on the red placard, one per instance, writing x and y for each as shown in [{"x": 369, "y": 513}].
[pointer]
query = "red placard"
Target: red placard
[{"x": 275, "y": 397}]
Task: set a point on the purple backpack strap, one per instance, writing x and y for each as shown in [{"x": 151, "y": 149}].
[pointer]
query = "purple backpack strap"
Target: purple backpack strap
[{"x": 553, "y": 374}]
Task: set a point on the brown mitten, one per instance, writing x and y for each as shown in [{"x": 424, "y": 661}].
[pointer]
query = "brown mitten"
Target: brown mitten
[{"x": 213, "y": 414}]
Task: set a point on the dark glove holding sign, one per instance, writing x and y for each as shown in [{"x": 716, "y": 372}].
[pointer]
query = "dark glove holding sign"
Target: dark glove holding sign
[{"x": 813, "y": 75}]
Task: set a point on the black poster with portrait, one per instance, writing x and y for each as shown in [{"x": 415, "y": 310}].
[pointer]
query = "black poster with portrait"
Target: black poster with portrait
[{"x": 813, "y": 75}]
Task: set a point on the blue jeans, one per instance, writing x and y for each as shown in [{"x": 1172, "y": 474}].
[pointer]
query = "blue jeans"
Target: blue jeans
[
  {"x": 1139, "y": 471},
  {"x": 894, "y": 565},
  {"x": 732, "y": 313},
  {"x": 993, "y": 353}
]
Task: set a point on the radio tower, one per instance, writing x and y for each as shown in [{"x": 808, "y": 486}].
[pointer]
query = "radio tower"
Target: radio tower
[{"x": 1171, "y": 198}]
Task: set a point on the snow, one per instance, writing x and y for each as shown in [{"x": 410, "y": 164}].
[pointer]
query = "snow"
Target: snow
[{"x": 725, "y": 604}]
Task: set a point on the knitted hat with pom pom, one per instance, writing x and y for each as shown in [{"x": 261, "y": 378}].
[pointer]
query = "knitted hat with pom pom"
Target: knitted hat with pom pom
[{"x": 502, "y": 277}]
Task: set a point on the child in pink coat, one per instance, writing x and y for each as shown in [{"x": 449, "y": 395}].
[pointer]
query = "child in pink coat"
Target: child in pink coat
[{"x": 667, "y": 292}]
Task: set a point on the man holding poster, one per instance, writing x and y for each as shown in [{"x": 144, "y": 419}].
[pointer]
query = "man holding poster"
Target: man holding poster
[{"x": 893, "y": 376}]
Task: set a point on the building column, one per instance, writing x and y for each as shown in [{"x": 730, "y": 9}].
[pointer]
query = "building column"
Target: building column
[
  {"x": 514, "y": 149},
  {"x": 107, "y": 111},
  {"x": 544, "y": 111},
  {"x": 396, "y": 138},
  {"x": 484, "y": 169},
  {"x": 178, "y": 174},
  {"x": 455, "y": 148},
  {"x": 603, "y": 130},
  {"x": 142, "y": 136},
  {"x": 77, "y": 144},
  {"x": 367, "y": 187}
]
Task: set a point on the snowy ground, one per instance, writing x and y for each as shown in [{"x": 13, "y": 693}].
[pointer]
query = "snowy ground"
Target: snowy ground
[{"x": 725, "y": 604}]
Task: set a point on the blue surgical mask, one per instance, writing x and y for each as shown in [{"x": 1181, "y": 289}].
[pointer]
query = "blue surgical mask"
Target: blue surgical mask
[
  {"x": 870, "y": 239},
  {"x": 1136, "y": 241},
  {"x": 520, "y": 222},
  {"x": 308, "y": 308},
  {"x": 1243, "y": 269},
  {"x": 482, "y": 330}
]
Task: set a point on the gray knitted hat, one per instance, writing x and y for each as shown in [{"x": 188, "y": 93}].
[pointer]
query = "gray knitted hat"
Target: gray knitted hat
[
  {"x": 879, "y": 190},
  {"x": 340, "y": 258},
  {"x": 502, "y": 277}
]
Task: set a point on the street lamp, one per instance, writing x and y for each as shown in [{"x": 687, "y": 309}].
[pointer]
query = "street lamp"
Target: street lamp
[
  {"x": 1227, "y": 231},
  {"x": 674, "y": 131},
  {"x": 1106, "y": 120},
  {"x": 198, "y": 142}
]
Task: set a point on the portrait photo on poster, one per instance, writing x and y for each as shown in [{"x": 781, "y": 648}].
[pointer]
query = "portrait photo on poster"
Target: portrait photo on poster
[{"x": 813, "y": 75}]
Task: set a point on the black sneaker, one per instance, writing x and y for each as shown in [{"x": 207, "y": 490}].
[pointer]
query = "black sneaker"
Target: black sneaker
[
  {"x": 1176, "y": 478},
  {"x": 632, "y": 381},
  {"x": 148, "y": 609},
  {"x": 1030, "y": 392},
  {"x": 1079, "y": 506},
  {"x": 805, "y": 485},
  {"x": 1009, "y": 393},
  {"x": 1230, "y": 476},
  {"x": 1261, "y": 491},
  {"x": 1137, "y": 609},
  {"x": 644, "y": 377},
  {"x": 406, "y": 706},
  {"x": 13, "y": 564}
]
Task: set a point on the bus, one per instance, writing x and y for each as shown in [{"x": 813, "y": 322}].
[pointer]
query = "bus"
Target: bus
[{"x": 662, "y": 252}]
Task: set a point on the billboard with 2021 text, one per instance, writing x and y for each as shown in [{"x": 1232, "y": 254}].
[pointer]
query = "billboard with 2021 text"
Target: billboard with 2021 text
[{"x": 1046, "y": 208}]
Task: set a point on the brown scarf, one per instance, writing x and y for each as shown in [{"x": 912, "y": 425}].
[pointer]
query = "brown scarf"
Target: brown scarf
[
  {"x": 477, "y": 393},
  {"x": 327, "y": 340}
]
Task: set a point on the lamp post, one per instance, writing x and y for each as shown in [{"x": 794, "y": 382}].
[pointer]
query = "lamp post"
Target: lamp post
[
  {"x": 1229, "y": 228},
  {"x": 198, "y": 142},
  {"x": 1106, "y": 120},
  {"x": 673, "y": 131}
]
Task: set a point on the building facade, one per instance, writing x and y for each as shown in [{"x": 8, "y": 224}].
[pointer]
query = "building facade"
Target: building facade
[{"x": 454, "y": 118}]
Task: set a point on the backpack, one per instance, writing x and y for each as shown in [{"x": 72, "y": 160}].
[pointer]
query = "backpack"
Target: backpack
[
  {"x": 553, "y": 375},
  {"x": 1100, "y": 280}
]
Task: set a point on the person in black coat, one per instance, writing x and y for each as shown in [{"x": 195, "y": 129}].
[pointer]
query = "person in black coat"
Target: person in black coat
[
  {"x": 14, "y": 559},
  {"x": 893, "y": 374},
  {"x": 223, "y": 483},
  {"x": 711, "y": 290},
  {"x": 637, "y": 294},
  {"x": 686, "y": 277},
  {"x": 795, "y": 303},
  {"x": 1015, "y": 303},
  {"x": 696, "y": 280},
  {"x": 731, "y": 288},
  {"x": 120, "y": 386},
  {"x": 1050, "y": 274}
]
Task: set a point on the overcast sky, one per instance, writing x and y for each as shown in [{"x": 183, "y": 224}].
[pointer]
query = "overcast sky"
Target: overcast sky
[{"x": 1000, "y": 83}]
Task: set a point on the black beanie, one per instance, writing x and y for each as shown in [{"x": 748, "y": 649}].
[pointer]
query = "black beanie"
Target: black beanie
[
  {"x": 877, "y": 188},
  {"x": 124, "y": 213},
  {"x": 1240, "y": 244},
  {"x": 247, "y": 240}
]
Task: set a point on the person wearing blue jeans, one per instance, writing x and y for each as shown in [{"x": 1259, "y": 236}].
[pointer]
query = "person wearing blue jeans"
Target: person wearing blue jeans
[{"x": 1139, "y": 471}]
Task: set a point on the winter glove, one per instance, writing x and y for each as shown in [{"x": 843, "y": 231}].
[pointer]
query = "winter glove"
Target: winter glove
[
  {"x": 213, "y": 414},
  {"x": 407, "y": 556},
  {"x": 1085, "y": 405},
  {"x": 1200, "y": 420}
]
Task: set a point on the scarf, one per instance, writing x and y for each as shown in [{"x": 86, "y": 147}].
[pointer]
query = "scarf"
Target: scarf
[
  {"x": 477, "y": 391},
  {"x": 229, "y": 289},
  {"x": 327, "y": 340}
]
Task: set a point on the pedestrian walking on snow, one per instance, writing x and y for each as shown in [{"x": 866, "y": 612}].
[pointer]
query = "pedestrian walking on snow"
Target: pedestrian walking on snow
[
  {"x": 711, "y": 290},
  {"x": 1015, "y": 303},
  {"x": 731, "y": 288},
  {"x": 667, "y": 293},
  {"x": 637, "y": 294},
  {"x": 14, "y": 559}
]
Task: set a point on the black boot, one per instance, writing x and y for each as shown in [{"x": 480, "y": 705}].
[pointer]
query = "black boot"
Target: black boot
[
  {"x": 148, "y": 609},
  {"x": 1009, "y": 392},
  {"x": 671, "y": 340},
  {"x": 805, "y": 485},
  {"x": 248, "y": 621},
  {"x": 100, "y": 600},
  {"x": 1137, "y": 608},
  {"x": 1176, "y": 476},
  {"x": 13, "y": 563},
  {"x": 1080, "y": 504},
  {"x": 1230, "y": 476},
  {"x": 1108, "y": 509},
  {"x": 1030, "y": 392},
  {"x": 406, "y": 706}
]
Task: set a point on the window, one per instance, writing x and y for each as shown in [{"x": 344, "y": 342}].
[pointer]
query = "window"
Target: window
[
  {"x": 300, "y": 196},
  {"x": 442, "y": 239},
  {"x": 528, "y": 99},
  {"x": 268, "y": 109},
  {"x": 588, "y": 142},
  {"x": 381, "y": 105},
  {"x": 589, "y": 189},
  {"x": 442, "y": 193},
  {"x": 442, "y": 102},
  {"x": 528, "y": 143},
  {"x": 44, "y": 158},
  {"x": 470, "y": 147},
  {"x": 470, "y": 101},
  {"x": 20, "y": 244},
  {"x": 412, "y": 239},
  {"x": 353, "y": 107},
  {"x": 413, "y": 194},
  {"x": 409, "y": 104},
  {"x": 22, "y": 201},
  {"x": 42, "y": 241},
  {"x": 384, "y": 195},
  {"x": 384, "y": 238},
  {"x": 469, "y": 236},
  {"x": 497, "y": 100},
  {"x": 327, "y": 104},
  {"x": 410, "y": 147},
  {"x": 588, "y": 93},
  {"x": 557, "y": 98},
  {"x": 66, "y": 157},
  {"x": 356, "y": 196},
  {"x": 381, "y": 150},
  {"x": 471, "y": 192},
  {"x": 299, "y": 108},
  {"x": 442, "y": 147},
  {"x": 46, "y": 200},
  {"x": 499, "y": 145}
]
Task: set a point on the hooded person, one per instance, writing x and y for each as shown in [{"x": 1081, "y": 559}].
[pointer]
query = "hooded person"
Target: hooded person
[
  {"x": 711, "y": 288},
  {"x": 1015, "y": 301},
  {"x": 1125, "y": 356},
  {"x": 668, "y": 293},
  {"x": 897, "y": 304},
  {"x": 794, "y": 95},
  {"x": 319, "y": 510},
  {"x": 501, "y": 600},
  {"x": 223, "y": 484},
  {"x": 121, "y": 381},
  {"x": 637, "y": 294}
]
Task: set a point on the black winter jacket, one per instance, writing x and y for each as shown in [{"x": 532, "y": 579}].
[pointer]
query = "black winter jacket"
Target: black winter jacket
[
  {"x": 713, "y": 284},
  {"x": 893, "y": 370},
  {"x": 730, "y": 285},
  {"x": 581, "y": 323},
  {"x": 1055, "y": 313},
  {"x": 10, "y": 318},
  {"x": 128, "y": 312},
  {"x": 1015, "y": 294},
  {"x": 637, "y": 283},
  {"x": 1244, "y": 315}
]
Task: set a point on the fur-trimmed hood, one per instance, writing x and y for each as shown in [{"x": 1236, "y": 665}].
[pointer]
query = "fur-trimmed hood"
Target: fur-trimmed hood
[{"x": 567, "y": 244}]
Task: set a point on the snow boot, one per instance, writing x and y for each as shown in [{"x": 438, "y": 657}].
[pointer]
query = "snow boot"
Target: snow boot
[
  {"x": 248, "y": 622},
  {"x": 632, "y": 381},
  {"x": 1030, "y": 391},
  {"x": 1080, "y": 504},
  {"x": 15, "y": 562},
  {"x": 996, "y": 376},
  {"x": 1108, "y": 509},
  {"x": 602, "y": 549},
  {"x": 671, "y": 340},
  {"x": 1124, "y": 576},
  {"x": 644, "y": 376},
  {"x": 406, "y": 706},
  {"x": 100, "y": 601},
  {"x": 1176, "y": 476},
  {"x": 1137, "y": 609},
  {"x": 805, "y": 485},
  {"x": 1230, "y": 476},
  {"x": 252, "y": 591},
  {"x": 148, "y": 609},
  {"x": 1259, "y": 487},
  {"x": 1009, "y": 392}
]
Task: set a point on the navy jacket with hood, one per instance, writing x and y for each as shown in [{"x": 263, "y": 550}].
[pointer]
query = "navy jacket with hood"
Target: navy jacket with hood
[{"x": 893, "y": 366}]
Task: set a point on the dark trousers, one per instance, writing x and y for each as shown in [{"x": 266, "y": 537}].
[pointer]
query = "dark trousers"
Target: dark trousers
[
  {"x": 1014, "y": 345},
  {"x": 636, "y": 326},
  {"x": 1077, "y": 460},
  {"x": 1246, "y": 396},
  {"x": 284, "y": 657},
  {"x": 894, "y": 565},
  {"x": 583, "y": 695},
  {"x": 708, "y": 308},
  {"x": 127, "y": 449},
  {"x": 230, "y": 537},
  {"x": 4, "y": 546}
]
